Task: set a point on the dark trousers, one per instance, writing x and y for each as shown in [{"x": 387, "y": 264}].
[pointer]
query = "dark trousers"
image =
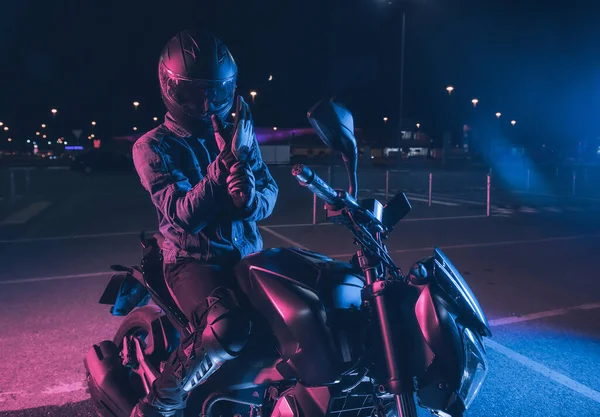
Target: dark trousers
[{"x": 190, "y": 282}]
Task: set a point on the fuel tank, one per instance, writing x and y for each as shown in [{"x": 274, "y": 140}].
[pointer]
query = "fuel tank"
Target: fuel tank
[{"x": 312, "y": 304}]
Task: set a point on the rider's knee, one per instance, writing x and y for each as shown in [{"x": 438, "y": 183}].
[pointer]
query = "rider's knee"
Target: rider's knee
[{"x": 228, "y": 325}]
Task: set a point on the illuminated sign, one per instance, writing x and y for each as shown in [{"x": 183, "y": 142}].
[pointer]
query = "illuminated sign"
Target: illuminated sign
[{"x": 73, "y": 148}]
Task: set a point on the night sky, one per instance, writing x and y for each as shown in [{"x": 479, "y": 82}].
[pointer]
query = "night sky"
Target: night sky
[{"x": 537, "y": 62}]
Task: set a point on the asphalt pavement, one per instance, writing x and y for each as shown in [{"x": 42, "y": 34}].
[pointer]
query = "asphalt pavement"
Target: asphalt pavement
[{"x": 532, "y": 264}]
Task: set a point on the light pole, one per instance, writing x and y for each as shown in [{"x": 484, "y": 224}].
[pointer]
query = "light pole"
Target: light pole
[
  {"x": 402, "y": 74},
  {"x": 513, "y": 122},
  {"x": 253, "y": 94},
  {"x": 385, "y": 119},
  {"x": 498, "y": 114},
  {"x": 54, "y": 111},
  {"x": 474, "y": 101},
  {"x": 449, "y": 89},
  {"x": 136, "y": 104}
]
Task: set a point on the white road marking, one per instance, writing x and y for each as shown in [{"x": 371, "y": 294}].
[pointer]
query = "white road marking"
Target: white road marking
[
  {"x": 56, "y": 278},
  {"x": 282, "y": 237},
  {"x": 448, "y": 198},
  {"x": 64, "y": 388},
  {"x": 544, "y": 371},
  {"x": 542, "y": 314},
  {"x": 294, "y": 243},
  {"x": 558, "y": 196},
  {"x": 270, "y": 226},
  {"x": 90, "y": 236},
  {"x": 24, "y": 215},
  {"x": 426, "y": 200},
  {"x": 484, "y": 244}
]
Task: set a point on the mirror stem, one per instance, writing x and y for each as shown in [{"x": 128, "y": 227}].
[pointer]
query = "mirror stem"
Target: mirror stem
[{"x": 352, "y": 180}]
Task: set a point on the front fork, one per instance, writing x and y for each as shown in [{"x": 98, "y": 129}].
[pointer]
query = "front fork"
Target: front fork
[{"x": 383, "y": 298}]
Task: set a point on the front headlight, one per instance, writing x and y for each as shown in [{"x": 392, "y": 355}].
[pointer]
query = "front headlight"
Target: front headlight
[{"x": 475, "y": 367}]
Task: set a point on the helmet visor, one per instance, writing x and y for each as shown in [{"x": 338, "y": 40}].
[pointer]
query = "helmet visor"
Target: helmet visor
[{"x": 198, "y": 98}]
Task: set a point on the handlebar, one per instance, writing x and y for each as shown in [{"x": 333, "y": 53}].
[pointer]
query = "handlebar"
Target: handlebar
[
  {"x": 339, "y": 199},
  {"x": 308, "y": 178}
]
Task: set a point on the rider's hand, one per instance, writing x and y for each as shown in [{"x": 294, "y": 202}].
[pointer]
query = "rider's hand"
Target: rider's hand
[
  {"x": 235, "y": 145},
  {"x": 225, "y": 159},
  {"x": 243, "y": 131},
  {"x": 241, "y": 186}
]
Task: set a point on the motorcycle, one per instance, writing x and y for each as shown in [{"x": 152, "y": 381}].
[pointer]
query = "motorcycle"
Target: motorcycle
[{"x": 329, "y": 338}]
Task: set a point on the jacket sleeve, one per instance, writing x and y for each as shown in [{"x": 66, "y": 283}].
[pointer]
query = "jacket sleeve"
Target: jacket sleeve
[
  {"x": 266, "y": 187},
  {"x": 188, "y": 209}
]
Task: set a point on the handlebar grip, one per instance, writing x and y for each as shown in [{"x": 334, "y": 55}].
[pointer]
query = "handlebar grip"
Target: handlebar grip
[{"x": 308, "y": 178}]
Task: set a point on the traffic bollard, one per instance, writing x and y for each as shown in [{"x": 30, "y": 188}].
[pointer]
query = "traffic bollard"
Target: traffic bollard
[
  {"x": 13, "y": 189},
  {"x": 314, "y": 209},
  {"x": 387, "y": 183},
  {"x": 430, "y": 186},
  {"x": 489, "y": 186},
  {"x": 27, "y": 180}
]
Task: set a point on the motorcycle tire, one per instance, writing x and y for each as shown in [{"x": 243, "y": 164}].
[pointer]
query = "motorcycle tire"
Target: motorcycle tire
[{"x": 150, "y": 324}]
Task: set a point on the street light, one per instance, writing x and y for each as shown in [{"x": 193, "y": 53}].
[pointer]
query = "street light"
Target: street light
[
  {"x": 93, "y": 123},
  {"x": 270, "y": 77},
  {"x": 274, "y": 127},
  {"x": 28, "y": 140},
  {"x": 43, "y": 126},
  {"x": 5, "y": 127},
  {"x": 253, "y": 94},
  {"x": 10, "y": 139},
  {"x": 498, "y": 114},
  {"x": 44, "y": 136},
  {"x": 1, "y": 124},
  {"x": 54, "y": 111},
  {"x": 513, "y": 122},
  {"x": 155, "y": 119},
  {"x": 136, "y": 104},
  {"x": 474, "y": 101},
  {"x": 385, "y": 119},
  {"x": 232, "y": 114},
  {"x": 418, "y": 125},
  {"x": 134, "y": 128},
  {"x": 49, "y": 143},
  {"x": 449, "y": 89},
  {"x": 37, "y": 133}
]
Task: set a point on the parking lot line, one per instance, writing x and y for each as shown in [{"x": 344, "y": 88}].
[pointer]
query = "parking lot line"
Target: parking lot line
[
  {"x": 56, "y": 278},
  {"x": 27, "y": 213},
  {"x": 542, "y": 314},
  {"x": 282, "y": 237},
  {"x": 448, "y": 198},
  {"x": 544, "y": 371},
  {"x": 485, "y": 244},
  {"x": 270, "y": 226},
  {"x": 425, "y": 200}
]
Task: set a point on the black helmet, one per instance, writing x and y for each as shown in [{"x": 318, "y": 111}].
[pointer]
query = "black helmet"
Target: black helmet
[{"x": 197, "y": 78}]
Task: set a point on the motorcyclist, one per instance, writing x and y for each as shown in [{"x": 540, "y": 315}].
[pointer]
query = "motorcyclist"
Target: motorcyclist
[{"x": 210, "y": 186}]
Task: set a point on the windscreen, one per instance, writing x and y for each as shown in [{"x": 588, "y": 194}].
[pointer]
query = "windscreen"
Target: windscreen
[{"x": 452, "y": 282}]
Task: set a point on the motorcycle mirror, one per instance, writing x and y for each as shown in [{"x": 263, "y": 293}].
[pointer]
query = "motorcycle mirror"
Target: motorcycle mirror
[
  {"x": 335, "y": 126},
  {"x": 395, "y": 210}
]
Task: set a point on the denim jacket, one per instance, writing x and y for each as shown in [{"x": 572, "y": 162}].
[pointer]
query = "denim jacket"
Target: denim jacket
[{"x": 195, "y": 215}]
